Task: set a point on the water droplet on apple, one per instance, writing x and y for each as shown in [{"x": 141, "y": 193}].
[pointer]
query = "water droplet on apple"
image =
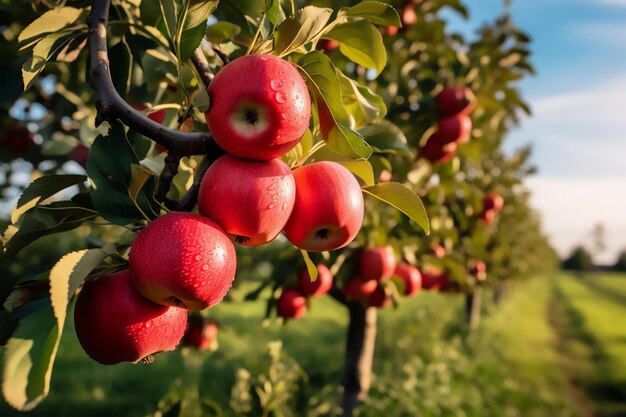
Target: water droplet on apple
[
  {"x": 148, "y": 324},
  {"x": 205, "y": 268},
  {"x": 276, "y": 84},
  {"x": 285, "y": 116},
  {"x": 198, "y": 257},
  {"x": 271, "y": 206},
  {"x": 281, "y": 97}
]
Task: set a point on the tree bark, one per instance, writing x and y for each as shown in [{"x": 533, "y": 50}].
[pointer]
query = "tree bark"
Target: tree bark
[
  {"x": 360, "y": 344},
  {"x": 472, "y": 307}
]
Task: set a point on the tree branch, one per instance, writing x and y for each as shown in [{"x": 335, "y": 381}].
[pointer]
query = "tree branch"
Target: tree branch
[
  {"x": 111, "y": 106},
  {"x": 202, "y": 66}
]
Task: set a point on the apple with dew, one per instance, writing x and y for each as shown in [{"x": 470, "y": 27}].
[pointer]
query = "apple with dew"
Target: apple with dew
[
  {"x": 320, "y": 286},
  {"x": 411, "y": 276},
  {"x": 357, "y": 289},
  {"x": 183, "y": 259},
  {"x": 250, "y": 200},
  {"x": 291, "y": 304},
  {"x": 260, "y": 107},
  {"x": 456, "y": 128},
  {"x": 493, "y": 201},
  {"x": 328, "y": 211},
  {"x": 114, "y": 323},
  {"x": 200, "y": 334},
  {"x": 436, "y": 152},
  {"x": 377, "y": 263},
  {"x": 453, "y": 100}
]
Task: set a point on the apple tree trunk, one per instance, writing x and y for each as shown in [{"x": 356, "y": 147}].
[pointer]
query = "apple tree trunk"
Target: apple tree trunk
[
  {"x": 360, "y": 344},
  {"x": 472, "y": 307}
]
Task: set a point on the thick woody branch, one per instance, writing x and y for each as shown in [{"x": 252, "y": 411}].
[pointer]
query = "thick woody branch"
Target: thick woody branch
[{"x": 111, "y": 106}]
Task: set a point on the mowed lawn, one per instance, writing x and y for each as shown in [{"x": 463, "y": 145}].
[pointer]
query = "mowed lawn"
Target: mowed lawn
[
  {"x": 595, "y": 305},
  {"x": 426, "y": 363}
]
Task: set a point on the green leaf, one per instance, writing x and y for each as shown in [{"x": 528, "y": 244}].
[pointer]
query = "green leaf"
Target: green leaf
[
  {"x": 67, "y": 275},
  {"x": 272, "y": 11},
  {"x": 28, "y": 360},
  {"x": 402, "y": 198},
  {"x": 321, "y": 78},
  {"x": 42, "y": 188},
  {"x": 122, "y": 60},
  {"x": 43, "y": 52},
  {"x": 300, "y": 29},
  {"x": 193, "y": 22},
  {"x": 385, "y": 137},
  {"x": 361, "y": 42},
  {"x": 221, "y": 31},
  {"x": 168, "y": 17},
  {"x": 50, "y": 22},
  {"x": 362, "y": 169},
  {"x": 375, "y": 12},
  {"x": 360, "y": 102},
  {"x": 310, "y": 266}
]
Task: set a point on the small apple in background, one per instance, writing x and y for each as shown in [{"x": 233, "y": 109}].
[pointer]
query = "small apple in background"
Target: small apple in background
[
  {"x": 453, "y": 100},
  {"x": 250, "y": 200},
  {"x": 434, "y": 279},
  {"x": 320, "y": 286},
  {"x": 493, "y": 201},
  {"x": 328, "y": 211},
  {"x": 183, "y": 259},
  {"x": 379, "y": 298},
  {"x": 439, "y": 251},
  {"x": 391, "y": 30},
  {"x": 411, "y": 276},
  {"x": 385, "y": 176},
  {"x": 79, "y": 155},
  {"x": 327, "y": 45},
  {"x": 487, "y": 216},
  {"x": 436, "y": 152},
  {"x": 17, "y": 140},
  {"x": 357, "y": 289},
  {"x": 114, "y": 323},
  {"x": 291, "y": 304},
  {"x": 409, "y": 14},
  {"x": 201, "y": 334},
  {"x": 456, "y": 128},
  {"x": 260, "y": 107},
  {"x": 479, "y": 270},
  {"x": 377, "y": 263}
]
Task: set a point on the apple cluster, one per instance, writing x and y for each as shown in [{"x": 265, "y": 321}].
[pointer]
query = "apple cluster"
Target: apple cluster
[
  {"x": 492, "y": 205},
  {"x": 376, "y": 266},
  {"x": 260, "y": 109},
  {"x": 454, "y": 127},
  {"x": 293, "y": 302}
]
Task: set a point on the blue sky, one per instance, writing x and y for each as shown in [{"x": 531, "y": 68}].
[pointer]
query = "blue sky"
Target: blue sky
[{"x": 578, "y": 130}]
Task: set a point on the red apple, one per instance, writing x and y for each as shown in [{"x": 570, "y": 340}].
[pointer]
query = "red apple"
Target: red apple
[
  {"x": 385, "y": 176},
  {"x": 493, "y": 201},
  {"x": 250, "y": 200},
  {"x": 79, "y": 155},
  {"x": 453, "y": 100},
  {"x": 456, "y": 128},
  {"x": 391, "y": 30},
  {"x": 328, "y": 211},
  {"x": 437, "y": 153},
  {"x": 260, "y": 107},
  {"x": 291, "y": 304},
  {"x": 434, "y": 279},
  {"x": 327, "y": 45},
  {"x": 200, "y": 334},
  {"x": 114, "y": 323},
  {"x": 439, "y": 251},
  {"x": 377, "y": 263},
  {"x": 488, "y": 216},
  {"x": 479, "y": 270},
  {"x": 357, "y": 289},
  {"x": 183, "y": 259},
  {"x": 411, "y": 276},
  {"x": 379, "y": 298},
  {"x": 409, "y": 15},
  {"x": 320, "y": 286}
]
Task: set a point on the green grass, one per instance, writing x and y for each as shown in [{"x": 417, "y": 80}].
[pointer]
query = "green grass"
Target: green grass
[
  {"x": 426, "y": 363},
  {"x": 597, "y": 327}
]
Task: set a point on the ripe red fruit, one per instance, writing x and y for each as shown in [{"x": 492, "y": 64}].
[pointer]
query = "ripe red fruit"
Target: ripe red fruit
[
  {"x": 79, "y": 155},
  {"x": 183, "y": 259},
  {"x": 434, "y": 279},
  {"x": 411, "y": 276},
  {"x": 291, "y": 304},
  {"x": 379, "y": 298},
  {"x": 436, "y": 152},
  {"x": 377, "y": 263},
  {"x": 328, "y": 211},
  {"x": 17, "y": 140},
  {"x": 456, "y": 128},
  {"x": 493, "y": 201},
  {"x": 454, "y": 100},
  {"x": 479, "y": 270},
  {"x": 359, "y": 290},
  {"x": 327, "y": 45},
  {"x": 114, "y": 323},
  {"x": 385, "y": 176},
  {"x": 409, "y": 15},
  {"x": 391, "y": 30},
  {"x": 320, "y": 286},
  {"x": 200, "y": 334},
  {"x": 260, "y": 107},
  {"x": 488, "y": 216},
  {"x": 439, "y": 251},
  {"x": 250, "y": 200}
]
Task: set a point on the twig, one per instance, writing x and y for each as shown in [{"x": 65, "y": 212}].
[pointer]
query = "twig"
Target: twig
[
  {"x": 202, "y": 67},
  {"x": 221, "y": 54}
]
